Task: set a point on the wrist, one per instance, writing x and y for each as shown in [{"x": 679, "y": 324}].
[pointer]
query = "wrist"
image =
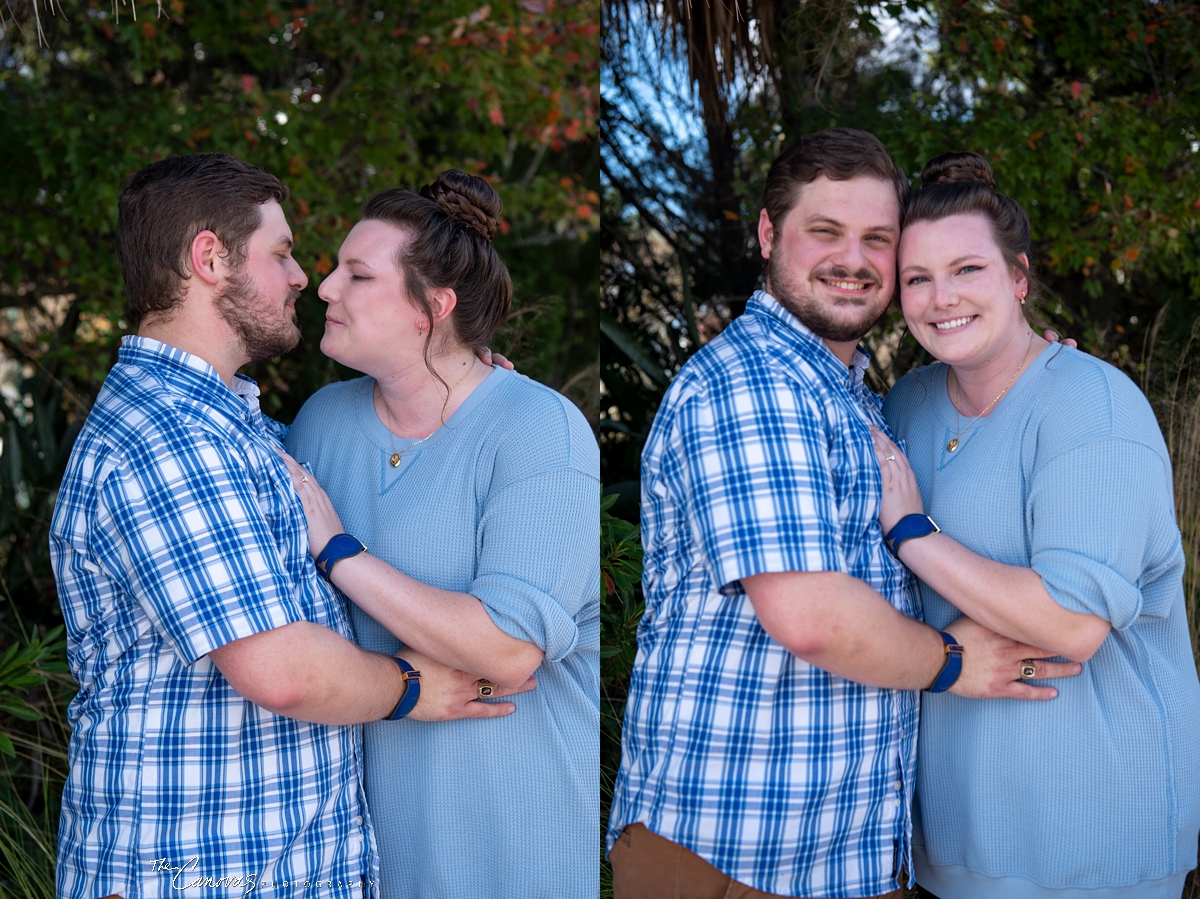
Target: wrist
[
  {"x": 339, "y": 547},
  {"x": 910, "y": 527},
  {"x": 952, "y": 662},
  {"x": 411, "y": 678}
]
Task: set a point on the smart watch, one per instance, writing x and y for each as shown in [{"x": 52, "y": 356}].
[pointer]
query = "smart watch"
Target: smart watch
[
  {"x": 907, "y": 528},
  {"x": 341, "y": 546}
]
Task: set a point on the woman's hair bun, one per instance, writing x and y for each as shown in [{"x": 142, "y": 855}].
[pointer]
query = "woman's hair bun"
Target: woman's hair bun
[
  {"x": 958, "y": 167},
  {"x": 468, "y": 200}
]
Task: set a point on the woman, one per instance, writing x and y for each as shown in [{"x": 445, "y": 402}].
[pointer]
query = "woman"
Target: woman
[
  {"x": 1048, "y": 476},
  {"x": 477, "y": 492}
]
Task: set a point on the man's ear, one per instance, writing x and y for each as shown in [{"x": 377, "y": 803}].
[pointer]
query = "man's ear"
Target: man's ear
[
  {"x": 766, "y": 234},
  {"x": 442, "y": 301},
  {"x": 206, "y": 257}
]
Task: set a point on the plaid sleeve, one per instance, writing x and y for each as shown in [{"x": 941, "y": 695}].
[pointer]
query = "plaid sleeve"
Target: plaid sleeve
[
  {"x": 183, "y": 525},
  {"x": 753, "y": 462}
]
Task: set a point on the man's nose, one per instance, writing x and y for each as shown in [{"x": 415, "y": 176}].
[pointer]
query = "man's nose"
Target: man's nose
[{"x": 298, "y": 279}]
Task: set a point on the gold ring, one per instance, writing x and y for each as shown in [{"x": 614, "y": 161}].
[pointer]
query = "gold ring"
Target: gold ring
[
  {"x": 891, "y": 458},
  {"x": 304, "y": 480},
  {"x": 485, "y": 688},
  {"x": 1028, "y": 672}
]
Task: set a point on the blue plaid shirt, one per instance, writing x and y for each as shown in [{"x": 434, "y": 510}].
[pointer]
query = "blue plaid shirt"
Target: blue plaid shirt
[
  {"x": 787, "y": 778},
  {"x": 177, "y": 531}
]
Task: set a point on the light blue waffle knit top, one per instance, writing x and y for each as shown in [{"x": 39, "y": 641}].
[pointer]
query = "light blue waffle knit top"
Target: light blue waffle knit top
[
  {"x": 1094, "y": 794},
  {"x": 501, "y": 502}
]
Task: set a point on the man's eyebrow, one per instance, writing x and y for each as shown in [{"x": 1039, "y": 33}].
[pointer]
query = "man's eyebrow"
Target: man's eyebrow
[
  {"x": 830, "y": 220},
  {"x": 284, "y": 240}
]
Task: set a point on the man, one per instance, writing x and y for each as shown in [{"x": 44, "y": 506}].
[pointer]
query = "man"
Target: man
[
  {"x": 770, "y": 735},
  {"x": 216, "y": 669}
]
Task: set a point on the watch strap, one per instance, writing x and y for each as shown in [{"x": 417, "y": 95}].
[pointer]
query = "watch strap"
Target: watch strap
[
  {"x": 340, "y": 546},
  {"x": 909, "y": 527},
  {"x": 412, "y": 692},
  {"x": 951, "y": 668}
]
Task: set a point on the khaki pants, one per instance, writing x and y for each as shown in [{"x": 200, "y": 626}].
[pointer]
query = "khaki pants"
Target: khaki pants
[{"x": 647, "y": 866}]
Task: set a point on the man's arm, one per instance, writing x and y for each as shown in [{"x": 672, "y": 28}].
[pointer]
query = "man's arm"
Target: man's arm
[
  {"x": 306, "y": 671},
  {"x": 837, "y": 623}
]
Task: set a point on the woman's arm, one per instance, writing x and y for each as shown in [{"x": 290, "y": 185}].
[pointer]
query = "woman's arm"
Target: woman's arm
[
  {"x": 453, "y": 628},
  {"x": 1007, "y": 599}
]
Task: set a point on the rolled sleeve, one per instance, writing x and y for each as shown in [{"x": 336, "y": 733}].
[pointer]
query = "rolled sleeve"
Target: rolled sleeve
[
  {"x": 757, "y": 479},
  {"x": 1094, "y": 512},
  {"x": 186, "y": 530},
  {"x": 539, "y": 558}
]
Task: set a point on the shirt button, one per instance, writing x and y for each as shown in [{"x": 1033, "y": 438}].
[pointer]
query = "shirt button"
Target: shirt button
[
  {"x": 358, "y": 818},
  {"x": 895, "y": 802},
  {"x": 897, "y": 785},
  {"x": 359, "y": 836}
]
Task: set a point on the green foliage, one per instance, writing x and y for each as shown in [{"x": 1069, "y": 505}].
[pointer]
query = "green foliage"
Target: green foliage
[
  {"x": 620, "y": 610},
  {"x": 34, "y": 688}
]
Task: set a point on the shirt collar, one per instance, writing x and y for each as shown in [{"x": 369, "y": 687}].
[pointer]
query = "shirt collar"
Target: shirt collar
[
  {"x": 188, "y": 373},
  {"x": 859, "y": 362}
]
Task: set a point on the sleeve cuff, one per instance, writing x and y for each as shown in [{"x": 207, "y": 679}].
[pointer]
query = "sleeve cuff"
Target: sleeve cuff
[
  {"x": 526, "y": 613},
  {"x": 1081, "y": 584}
]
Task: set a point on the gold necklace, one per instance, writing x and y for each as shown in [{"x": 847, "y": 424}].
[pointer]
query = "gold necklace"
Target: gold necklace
[
  {"x": 953, "y": 444},
  {"x": 395, "y": 459}
]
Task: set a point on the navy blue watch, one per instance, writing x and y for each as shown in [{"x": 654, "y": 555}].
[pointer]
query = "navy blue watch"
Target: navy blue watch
[
  {"x": 907, "y": 528},
  {"x": 341, "y": 546},
  {"x": 412, "y": 692},
  {"x": 951, "y": 668}
]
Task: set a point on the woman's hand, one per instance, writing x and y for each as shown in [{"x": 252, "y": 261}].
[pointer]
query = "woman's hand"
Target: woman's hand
[
  {"x": 323, "y": 521},
  {"x": 901, "y": 496}
]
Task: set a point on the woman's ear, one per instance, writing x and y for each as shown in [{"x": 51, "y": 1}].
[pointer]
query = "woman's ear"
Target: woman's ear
[
  {"x": 1021, "y": 278},
  {"x": 442, "y": 301}
]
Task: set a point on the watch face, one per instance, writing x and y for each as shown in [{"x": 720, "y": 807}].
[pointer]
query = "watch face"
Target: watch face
[{"x": 344, "y": 544}]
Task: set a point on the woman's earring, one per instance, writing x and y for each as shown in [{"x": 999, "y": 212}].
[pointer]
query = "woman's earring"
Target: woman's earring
[
  {"x": 421, "y": 328},
  {"x": 1024, "y": 293}
]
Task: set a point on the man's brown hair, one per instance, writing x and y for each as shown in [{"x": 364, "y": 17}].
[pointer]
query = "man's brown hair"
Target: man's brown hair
[
  {"x": 837, "y": 153},
  {"x": 164, "y": 205}
]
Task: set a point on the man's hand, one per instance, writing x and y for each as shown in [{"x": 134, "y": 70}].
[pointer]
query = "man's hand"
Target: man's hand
[
  {"x": 992, "y": 665},
  {"x": 448, "y": 694},
  {"x": 487, "y": 357},
  {"x": 1052, "y": 337}
]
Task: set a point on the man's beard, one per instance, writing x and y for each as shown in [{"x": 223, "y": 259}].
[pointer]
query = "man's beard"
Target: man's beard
[
  {"x": 818, "y": 317},
  {"x": 240, "y": 305}
]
